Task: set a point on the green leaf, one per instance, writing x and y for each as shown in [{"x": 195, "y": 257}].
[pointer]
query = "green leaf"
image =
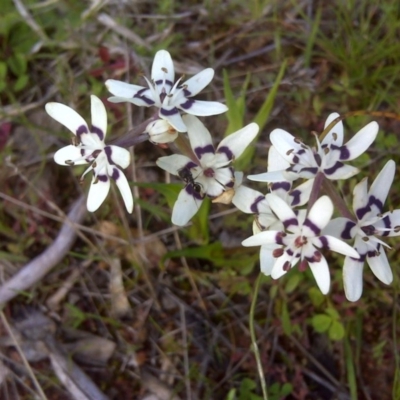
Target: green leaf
[
  {"x": 18, "y": 64},
  {"x": 316, "y": 297},
  {"x": 285, "y": 318},
  {"x": 321, "y": 322},
  {"x": 263, "y": 114},
  {"x": 209, "y": 252},
  {"x": 292, "y": 283},
  {"x": 234, "y": 114},
  {"x": 336, "y": 331},
  {"x": 21, "y": 82},
  {"x": 332, "y": 313}
]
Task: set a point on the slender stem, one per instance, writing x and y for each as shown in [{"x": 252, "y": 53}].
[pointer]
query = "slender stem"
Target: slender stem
[
  {"x": 135, "y": 135},
  {"x": 316, "y": 189},
  {"x": 337, "y": 200},
  {"x": 254, "y": 344}
]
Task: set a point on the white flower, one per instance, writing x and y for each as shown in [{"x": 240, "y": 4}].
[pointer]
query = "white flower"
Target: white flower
[
  {"x": 160, "y": 132},
  {"x": 371, "y": 222},
  {"x": 252, "y": 201},
  {"x": 328, "y": 157},
  {"x": 171, "y": 98},
  {"x": 300, "y": 240},
  {"x": 89, "y": 148},
  {"x": 209, "y": 173}
]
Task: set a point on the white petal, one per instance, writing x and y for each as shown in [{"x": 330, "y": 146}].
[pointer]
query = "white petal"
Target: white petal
[
  {"x": 245, "y": 197},
  {"x": 173, "y": 163},
  {"x": 344, "y": 172},
  {"x": 163, "y": 67},
  {"x": 97, "y": 194},
  {"x": 337, "y": 245},
  {"x": 122, "y": 89},
  {"x": 238, "y": 141},
  {"x": 120, "y": 156},
  {"x": 352, "y": 278},
  {"x": 275, "y": 161},
  {"x": 382, "y": 183},
  {"x": 71, "y": 153},
  {"x": 125, "y": 190},
  {"x": 137, "y": 101},
  {"x": 284, "y": 143},
  {"x": 359, "y": 143},
  {"x": 174, "y": 118},
  {"x": 301, "y": 194},
  {"x": 280, "y": 208},
  {"x": 185, "y": 208},
  {"x": 199, "y": 81},
  {"x": 274, "y": 176},
  {"x": 277, "y": 269},
  {"x": 267, "y": 260},
  {"x": 203, "y": 108},
  {"x": 99, "y": 115},
  {"x": 337, "y": 226},
  {"x": 380, "y": 267},
  {"x": 321, "y": 274},
  {"x": 360, "y": 195},
  {"x": 321, "y": 212},
  {"x": 337, "y": 130},
  {"x": 67, "y": 116},
  {"x": 262, "y": 238},
  {"x": 199, "y": 135}
]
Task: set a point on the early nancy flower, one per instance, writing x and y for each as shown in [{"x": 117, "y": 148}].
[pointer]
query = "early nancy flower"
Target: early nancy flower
[
  {"x": 171, "y": 98},
  {"x": 209, "y": 171},
  {"x": 300, "y": 240},
  {"x": 89, "y": 148},
  {"x": 328, "y": 157},
  {"x": 371, "y": 223}
]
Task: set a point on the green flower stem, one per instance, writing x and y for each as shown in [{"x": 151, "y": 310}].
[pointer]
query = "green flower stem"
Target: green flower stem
[{"x": 254, "y": 338}]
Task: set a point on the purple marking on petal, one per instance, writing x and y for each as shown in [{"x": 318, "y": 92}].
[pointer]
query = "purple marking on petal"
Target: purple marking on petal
[
  {"x": 324, "y": 242},
  {"x": 190, "y": 165},
  {"x": 334, "y": 168},
  {"x": 369, "y": 230},
  {"x": 374, "y": 253},
  {"x": 344, "y": 153},
  {"x": 360, "y": 212},
  {"x": 115, "y": 175},
  {"x": 230, "y": 184},
  {"x": 279, "y": 237},
  {"x": 316, "y": 257},
  {"x": 227, "y": 151},
  {"x": 81, "y": 130},
  {"x": 296, "y": 195},
  {"x": 312, "y": 226},
  {"x": 162, "y": 81},
  {"x": 373, "y": 200},
  {"x": 346, "y": 234},
  {"x": 102, "y": 178},
  {"x": 295, "y": 159},
  {"x": 300, "y": 152},
  {"x": 146, "y": 99},
  {"x": 254, "y": 205},
  {"x": 290, "y": 222},
  {"x": 388, "y": 225},
  {"x": 200, "y": 151},
  {"x": 290, "y": 252},
  {"x": 281, "y": 185},
  {"x": 317, "y": 159},
  {"x": 108, "y": 151},
  {"x": 168, "y": 113},
  {"x": 187, "y": 104},
  {"x": 97, "y": 131},
  {"x": 186, "y": 92},
  {"x": 312, "y": 170},
  {"x": 192, "y": 192}
]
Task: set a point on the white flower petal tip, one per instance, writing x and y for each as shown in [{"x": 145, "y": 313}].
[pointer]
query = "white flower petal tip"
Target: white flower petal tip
[
  {"x": 186, "y": 206},
  {"x": 160, "y": 132},
  {"x": 89, "y": 148}
]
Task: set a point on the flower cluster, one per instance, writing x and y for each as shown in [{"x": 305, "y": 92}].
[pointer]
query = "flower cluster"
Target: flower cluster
[{"x": 293, "y": 222}]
